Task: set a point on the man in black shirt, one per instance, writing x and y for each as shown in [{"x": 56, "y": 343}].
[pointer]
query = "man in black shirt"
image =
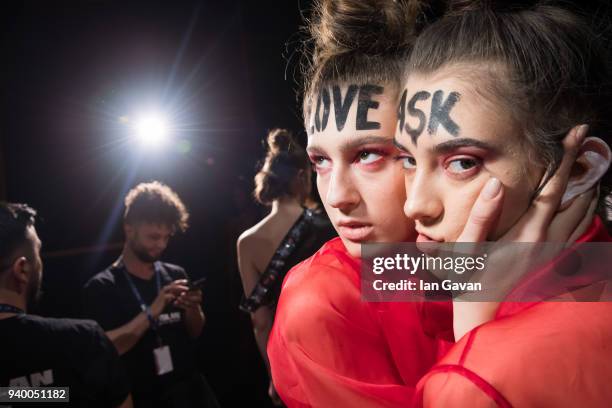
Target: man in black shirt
[
  {"x": 147, "y": 307},
  {"x": 37, "y": 351}
]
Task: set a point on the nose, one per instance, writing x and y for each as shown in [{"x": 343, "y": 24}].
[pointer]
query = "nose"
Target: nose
[
  {"x": 423, "y": 202},
  {"x": 342, "y": 192}
]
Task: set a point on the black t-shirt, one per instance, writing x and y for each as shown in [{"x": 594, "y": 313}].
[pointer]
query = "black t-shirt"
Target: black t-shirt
[
  {"x": 109, "y": 299},
  {"x": 37, "y": 352}
]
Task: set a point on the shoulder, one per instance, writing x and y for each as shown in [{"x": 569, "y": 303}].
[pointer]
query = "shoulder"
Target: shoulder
[
  {"x": 328, "y": 263},
  {"x": 65, "y": 329},
  {"x": 257, "y": 231},
  {"x": 106, "y": 278},
  {"x": 254, "y": 237},
  {"x": 319, "y": 284},
  {"x": 175, "y": 271}
]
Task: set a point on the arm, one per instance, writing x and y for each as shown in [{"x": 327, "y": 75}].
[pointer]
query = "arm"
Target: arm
[
  {"x": 191, "y": 302},
  {"x": 452, "y": 389},
  {"x": 263, "y": 318},
  {"x": 125, "y": 337}
]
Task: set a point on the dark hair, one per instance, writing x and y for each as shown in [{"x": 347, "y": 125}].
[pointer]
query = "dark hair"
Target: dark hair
[
  {"x": 155, "y": 202},
  {"x": 361, "y": 41},
  {"x": 278, "y": 176},
  {"x": 14, "y": 221},
  {"x": 544, "y": 63}
]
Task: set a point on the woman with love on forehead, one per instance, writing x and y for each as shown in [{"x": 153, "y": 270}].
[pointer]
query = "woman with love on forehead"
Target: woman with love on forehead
[{"x": 328, "y": 347}]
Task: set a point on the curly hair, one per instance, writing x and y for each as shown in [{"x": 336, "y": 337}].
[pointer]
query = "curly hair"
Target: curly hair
[{"x": 155, "y": 202}]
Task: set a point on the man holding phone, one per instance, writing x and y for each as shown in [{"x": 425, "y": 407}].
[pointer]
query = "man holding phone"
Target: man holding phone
[{"x": 148, "y": 308}]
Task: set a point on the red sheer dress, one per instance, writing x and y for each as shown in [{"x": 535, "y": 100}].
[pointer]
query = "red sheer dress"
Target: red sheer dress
[
  {"x": 328, "y": 348},
  {"x": 545, "y": 354}
]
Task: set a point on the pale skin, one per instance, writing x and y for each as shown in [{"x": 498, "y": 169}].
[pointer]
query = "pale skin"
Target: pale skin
[
  {"x": 17, "y": 280},
  {"x": 255, "y": 247},
  {"x": 358, "y": 177},
  {"x": 153, "y": 238},
  {"x": 476, "y": 184}
]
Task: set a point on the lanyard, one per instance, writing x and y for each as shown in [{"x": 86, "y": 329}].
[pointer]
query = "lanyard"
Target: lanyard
[
  {"x": 137, "y": 294},
  {"x": 4, "y": 308},
  {"x": 143, "y": 306}
]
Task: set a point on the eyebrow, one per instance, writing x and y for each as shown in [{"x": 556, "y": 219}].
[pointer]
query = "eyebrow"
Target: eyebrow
[
  {"x": 449, "y": 146},
  {"x": 355, "y": 144},
  {"x": 399, "y": 145}
]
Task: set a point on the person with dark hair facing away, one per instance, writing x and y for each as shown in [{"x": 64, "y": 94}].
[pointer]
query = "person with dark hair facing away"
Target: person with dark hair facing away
[
  {"x": 504, "y": 88},
  {"x": 46, "y": 352},
  {"x": 290, "y": 233},
  {"x": 146, "y": 306}
]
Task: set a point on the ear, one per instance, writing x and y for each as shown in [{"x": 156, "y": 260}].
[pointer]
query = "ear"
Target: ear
[
  {"x": 19, "y": 271},
  {"x": 128, "y": 230},
  {"x": 591, "y": 164}
]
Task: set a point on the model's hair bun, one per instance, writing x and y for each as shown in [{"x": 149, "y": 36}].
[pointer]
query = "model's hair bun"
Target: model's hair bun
[
  {"x": 461, "y": 6},
  {"x": 371, "y": 27},
  {"x": 280, "y": 140},
  {"x": 285, "y": 158}
]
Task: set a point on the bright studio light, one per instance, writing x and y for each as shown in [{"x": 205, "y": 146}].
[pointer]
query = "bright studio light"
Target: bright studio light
[{"x": 151, "y": 130}]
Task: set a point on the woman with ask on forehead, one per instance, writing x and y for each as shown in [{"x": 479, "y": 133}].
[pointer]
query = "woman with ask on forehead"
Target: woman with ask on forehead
[{"x": 494, "y": 93}]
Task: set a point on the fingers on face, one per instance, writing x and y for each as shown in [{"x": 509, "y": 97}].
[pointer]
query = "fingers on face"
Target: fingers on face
[
  {"x": 565, "y": 223},
  {"x": 571, "y": 147},
  {"x": 546, "y": 203},
  {"x": 484, "y": 213}
]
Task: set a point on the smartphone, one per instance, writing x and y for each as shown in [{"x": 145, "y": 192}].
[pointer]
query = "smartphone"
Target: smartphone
[{"x": 197, "y": 284}]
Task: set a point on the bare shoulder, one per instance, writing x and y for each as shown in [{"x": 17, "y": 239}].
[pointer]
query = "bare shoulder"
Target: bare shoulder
[
  {"x": 252, "y": 237},
  {"x": 256, "y": 242}
]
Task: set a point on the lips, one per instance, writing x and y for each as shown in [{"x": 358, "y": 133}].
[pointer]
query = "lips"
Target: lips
[
  {"x": 426, "y": 238},
  {"x": 427, "y": 244},
  {"x": 354, "y": 230}
]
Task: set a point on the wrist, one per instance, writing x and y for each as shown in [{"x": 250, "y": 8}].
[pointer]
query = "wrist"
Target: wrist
[
  {"x": 195, "y": 310},
  {"x": 151, "y": 317}
]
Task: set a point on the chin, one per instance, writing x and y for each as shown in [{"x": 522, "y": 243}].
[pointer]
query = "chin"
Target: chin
[{"x": 353, "y": 248}]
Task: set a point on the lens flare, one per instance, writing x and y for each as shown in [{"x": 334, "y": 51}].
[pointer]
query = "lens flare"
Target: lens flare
[{"x": 152, "y": 130}]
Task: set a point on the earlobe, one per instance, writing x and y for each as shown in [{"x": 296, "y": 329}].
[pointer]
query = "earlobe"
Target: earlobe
[{"x": 592, "y": 163}]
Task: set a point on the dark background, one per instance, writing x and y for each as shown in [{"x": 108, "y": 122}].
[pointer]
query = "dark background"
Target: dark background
[
  {"x": 225, "y": 71},
  {"x": 70, "y": 69}
]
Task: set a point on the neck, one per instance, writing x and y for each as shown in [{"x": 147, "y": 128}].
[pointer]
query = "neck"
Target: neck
[
  {"x": 135, "y": 266},
  {"x": 14, "y": 299},
  {"x": 286, "y": 205}
]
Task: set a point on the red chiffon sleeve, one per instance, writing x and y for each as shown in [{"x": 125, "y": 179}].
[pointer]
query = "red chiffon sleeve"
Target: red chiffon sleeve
[
  {"x": 328, "y": 348},
  {"x": 553, "y": 354},
  {"x": 546, "y": 354}
]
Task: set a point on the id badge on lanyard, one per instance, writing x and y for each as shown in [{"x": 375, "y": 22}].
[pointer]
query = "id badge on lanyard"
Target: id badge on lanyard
[{"x": 161, "y": 354}]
